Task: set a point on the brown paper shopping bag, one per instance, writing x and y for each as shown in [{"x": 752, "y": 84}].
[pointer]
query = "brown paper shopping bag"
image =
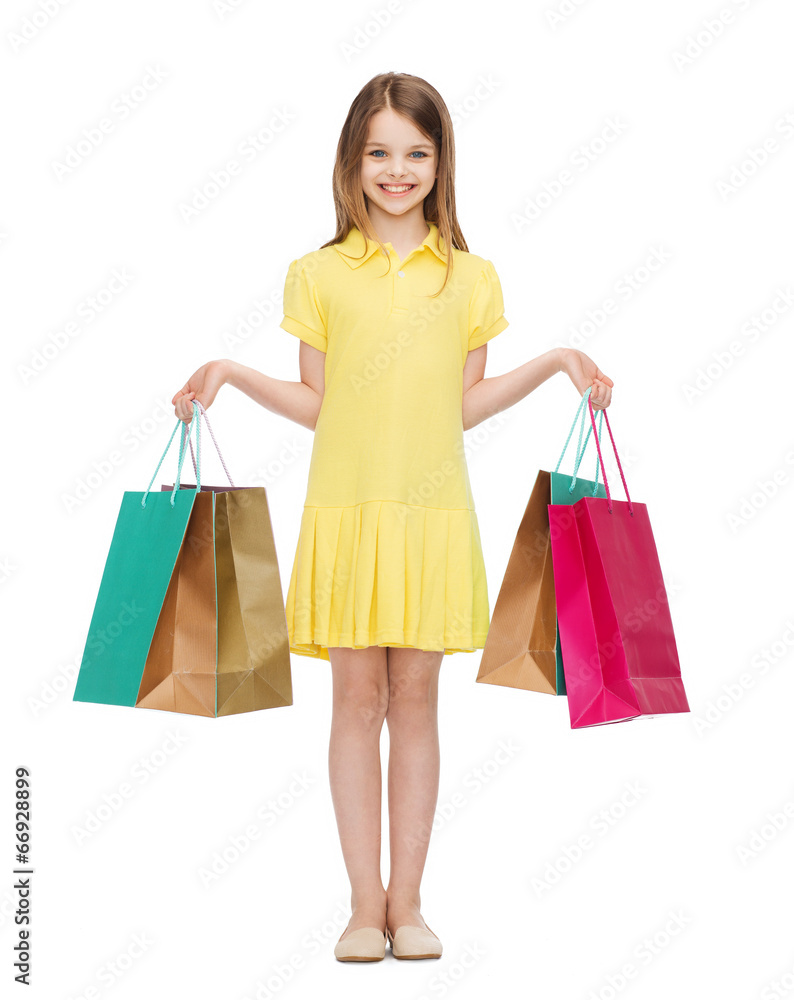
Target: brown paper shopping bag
[
  {"x": 520, "y": 647},
  {"x": 221, "y": 645}
]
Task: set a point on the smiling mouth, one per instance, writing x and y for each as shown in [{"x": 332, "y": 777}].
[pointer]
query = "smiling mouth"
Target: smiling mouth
[{"x": 396, "y": 188}]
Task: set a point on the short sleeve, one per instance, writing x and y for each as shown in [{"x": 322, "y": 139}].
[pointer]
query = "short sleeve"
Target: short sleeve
[
  {"x": 486, "y": 308},
  {"x": 303, "y": 314}
]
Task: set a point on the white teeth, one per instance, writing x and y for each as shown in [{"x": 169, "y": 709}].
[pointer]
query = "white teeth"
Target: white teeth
[{"x": 397, "y": 189}]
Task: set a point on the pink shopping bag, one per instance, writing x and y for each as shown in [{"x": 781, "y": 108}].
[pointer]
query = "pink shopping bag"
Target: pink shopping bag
[{"x": 618, "y": 648}]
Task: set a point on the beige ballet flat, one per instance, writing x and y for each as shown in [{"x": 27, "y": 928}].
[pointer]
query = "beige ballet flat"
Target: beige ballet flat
[
  {"x": 414, "y": 942},
  {"x": 367, "y": 944}
]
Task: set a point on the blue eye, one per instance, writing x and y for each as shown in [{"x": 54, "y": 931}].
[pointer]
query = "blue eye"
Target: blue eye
[{"x": 416, "y": 152}]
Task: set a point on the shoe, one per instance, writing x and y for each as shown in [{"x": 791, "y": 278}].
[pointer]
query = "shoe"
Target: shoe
[
  {"x": 414, "y": 942},
  {"x": 367, "y": 944}
]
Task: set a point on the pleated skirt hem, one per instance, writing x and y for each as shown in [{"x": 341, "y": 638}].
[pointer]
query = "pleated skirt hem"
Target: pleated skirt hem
[
  {"x": 383, "y": 573},
  {"x": 319, "y": 648}
]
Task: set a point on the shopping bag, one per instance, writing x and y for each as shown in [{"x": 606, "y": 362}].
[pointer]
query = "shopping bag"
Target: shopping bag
[
  {"x": 522, "y": 646},
  {"x": 568, "y": 490},
  {"x": 190, "y": 616},
  {"x": 618, "y": 646}
]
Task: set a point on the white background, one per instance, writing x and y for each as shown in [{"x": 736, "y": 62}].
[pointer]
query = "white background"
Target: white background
[{"x": 528, "y": 90}]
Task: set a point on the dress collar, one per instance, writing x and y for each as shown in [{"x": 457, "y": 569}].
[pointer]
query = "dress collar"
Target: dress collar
[{"x": 352, "y": 246}]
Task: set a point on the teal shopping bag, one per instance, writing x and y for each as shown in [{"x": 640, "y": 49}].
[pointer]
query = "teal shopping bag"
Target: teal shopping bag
[
  {"x": 148, "y": 536},
  {"x": 567, "y": 489}
]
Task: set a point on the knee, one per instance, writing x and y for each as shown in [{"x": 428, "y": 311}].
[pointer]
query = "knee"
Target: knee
[
  {"x": 412, "y": 698},
  {"x": 363, "y": 702}
]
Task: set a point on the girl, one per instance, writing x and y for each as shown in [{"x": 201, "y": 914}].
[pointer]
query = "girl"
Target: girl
[{"x": 393, "y": 315}]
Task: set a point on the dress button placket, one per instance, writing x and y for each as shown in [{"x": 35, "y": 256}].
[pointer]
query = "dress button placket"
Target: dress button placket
[{"x": 400, "y": 291}]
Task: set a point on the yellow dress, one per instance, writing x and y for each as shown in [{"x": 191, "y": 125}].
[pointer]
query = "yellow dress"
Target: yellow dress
[{"x": 389, "y": 549}]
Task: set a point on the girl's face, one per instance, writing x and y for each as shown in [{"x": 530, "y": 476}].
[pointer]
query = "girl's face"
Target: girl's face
[{"x": 399, "y": 165}]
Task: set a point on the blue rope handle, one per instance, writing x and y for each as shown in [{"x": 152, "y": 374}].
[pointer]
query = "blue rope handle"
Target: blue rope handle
[
  {"x": 197, "y": 408},
  {"x": 600, "y": 419},
  {"x": 182, "y": 453},
  {"x": 581, "y": 448},
  {"x": 570, "y": 432}
]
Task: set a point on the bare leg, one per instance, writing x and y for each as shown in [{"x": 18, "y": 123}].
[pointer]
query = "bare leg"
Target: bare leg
[
  {"x": 360, "y": 699},
  {"x": 414, "y": 762}
]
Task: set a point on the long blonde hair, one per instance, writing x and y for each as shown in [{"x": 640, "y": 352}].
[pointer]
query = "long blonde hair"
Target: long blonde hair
[{"x": 417, "y": 100}]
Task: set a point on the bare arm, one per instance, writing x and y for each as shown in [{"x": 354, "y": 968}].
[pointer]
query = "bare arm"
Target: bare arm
[
  {"x": 483, "y": 397},
  {"x": 298, "y": 401}
]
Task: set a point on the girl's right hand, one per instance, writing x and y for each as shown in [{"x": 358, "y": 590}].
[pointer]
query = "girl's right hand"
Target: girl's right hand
[{"x": 203, "y": 385}]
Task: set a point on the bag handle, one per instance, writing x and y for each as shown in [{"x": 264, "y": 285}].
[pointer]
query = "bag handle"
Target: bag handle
[
  {"x": 580, "y": 456},
  {"x": 209, "y": 428},
  {"x": 601, "y": 461},
  {"x": 197, "y": 422},
  {"x": 581, "y": 448}
]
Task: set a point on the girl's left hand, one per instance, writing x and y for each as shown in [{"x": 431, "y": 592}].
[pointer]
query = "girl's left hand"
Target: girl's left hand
[{"x": 584, "y": 372}]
